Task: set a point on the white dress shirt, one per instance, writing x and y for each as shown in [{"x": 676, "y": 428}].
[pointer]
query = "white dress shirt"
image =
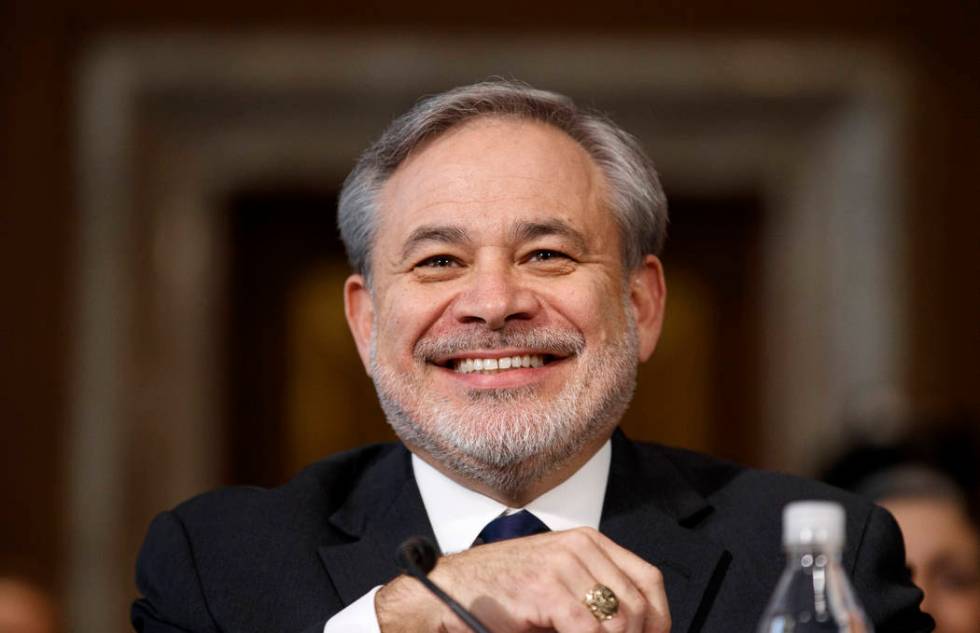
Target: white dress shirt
[{"x": 458, "y": 515}]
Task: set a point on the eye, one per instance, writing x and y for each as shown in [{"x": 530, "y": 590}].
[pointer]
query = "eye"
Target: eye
[
  {"x": 544, "y": 255},
  {"x": 438, "y": 261},
  {"x": 548, "y": 261},
  {"x": 957, "y": 579}
]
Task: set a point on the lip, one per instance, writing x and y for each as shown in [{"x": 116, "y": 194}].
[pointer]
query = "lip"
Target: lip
[{"x": 507, "y": 379}]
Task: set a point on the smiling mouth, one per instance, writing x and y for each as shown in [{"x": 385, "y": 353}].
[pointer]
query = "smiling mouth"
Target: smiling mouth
[{"x": 479, "y": 365}]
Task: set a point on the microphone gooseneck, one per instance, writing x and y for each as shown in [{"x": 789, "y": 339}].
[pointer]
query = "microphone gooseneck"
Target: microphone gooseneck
[{"x": 417, "y": 556}]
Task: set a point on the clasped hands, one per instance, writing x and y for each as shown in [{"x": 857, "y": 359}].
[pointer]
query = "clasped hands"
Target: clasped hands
[{"x": 535, "y": 583}]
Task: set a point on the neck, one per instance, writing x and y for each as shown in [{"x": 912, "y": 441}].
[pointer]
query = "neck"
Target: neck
[{"x": 520, "y": 497}]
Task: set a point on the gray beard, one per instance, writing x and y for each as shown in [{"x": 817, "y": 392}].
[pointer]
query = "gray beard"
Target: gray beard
[{"x": 507, "y": 439}]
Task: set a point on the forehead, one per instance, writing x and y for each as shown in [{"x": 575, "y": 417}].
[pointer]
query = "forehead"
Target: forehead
[
  {"x": 932, "y": 525},
  {"x": 493, "y": 171}
]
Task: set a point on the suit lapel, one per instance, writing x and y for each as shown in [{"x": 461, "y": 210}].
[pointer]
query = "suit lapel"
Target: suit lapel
[
  {"x": 384, "y": 509},
  {"x": 650, "y": 509}
]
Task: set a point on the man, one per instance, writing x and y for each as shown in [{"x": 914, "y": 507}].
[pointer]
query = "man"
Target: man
[{"x": 506, "y": 286}]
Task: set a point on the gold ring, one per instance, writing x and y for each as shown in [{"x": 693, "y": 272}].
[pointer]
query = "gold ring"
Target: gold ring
[{"x": 602, "y": 602}]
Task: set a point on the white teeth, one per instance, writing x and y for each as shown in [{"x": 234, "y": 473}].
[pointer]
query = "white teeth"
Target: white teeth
[{"x": 493, "y": 365}]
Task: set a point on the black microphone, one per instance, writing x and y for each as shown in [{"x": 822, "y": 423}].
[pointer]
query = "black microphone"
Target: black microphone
[{"x": 418, "y": 556}]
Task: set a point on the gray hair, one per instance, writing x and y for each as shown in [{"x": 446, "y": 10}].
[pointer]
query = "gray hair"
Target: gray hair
[{"x": 636, "y": 197}]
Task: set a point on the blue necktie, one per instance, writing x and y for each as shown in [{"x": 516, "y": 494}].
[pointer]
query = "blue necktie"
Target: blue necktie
[{"x": 515, "y": 525}]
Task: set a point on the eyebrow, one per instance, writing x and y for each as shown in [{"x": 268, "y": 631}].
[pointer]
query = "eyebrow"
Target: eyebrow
[
  {"x": 527, "y": 231},
  {"x": 441, "y": 233}
]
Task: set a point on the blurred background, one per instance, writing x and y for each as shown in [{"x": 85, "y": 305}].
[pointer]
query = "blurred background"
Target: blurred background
[{"x": 170, "y": 274}]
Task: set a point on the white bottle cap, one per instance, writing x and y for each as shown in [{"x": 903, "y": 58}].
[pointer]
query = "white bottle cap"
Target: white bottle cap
[{"x": 813, "y": 523}]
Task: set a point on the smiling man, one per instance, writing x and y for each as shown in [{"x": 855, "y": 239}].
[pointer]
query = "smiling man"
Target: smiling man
[
  {"x": 494, "y": 245},
  {"x": 506, "y": 285}
]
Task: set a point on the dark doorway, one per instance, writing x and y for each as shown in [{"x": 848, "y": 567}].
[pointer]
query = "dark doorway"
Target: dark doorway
[{"x": 277, "y": 235}]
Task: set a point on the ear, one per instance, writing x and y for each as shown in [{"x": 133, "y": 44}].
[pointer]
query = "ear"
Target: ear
[
  {"x": 648, "y": 294},
  {"x": 359, "y": 310}
]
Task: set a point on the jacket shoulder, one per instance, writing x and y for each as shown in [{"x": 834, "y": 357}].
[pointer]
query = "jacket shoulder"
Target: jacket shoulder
[
  {"x": 307, "y": 500},
  {"x": 724, "y": 483},
  {"x": 747, "y": 503},
  {"x": 244, "y": 555}
]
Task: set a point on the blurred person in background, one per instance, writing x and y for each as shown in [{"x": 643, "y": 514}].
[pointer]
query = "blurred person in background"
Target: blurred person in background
[
  {"x": 942, "y": 542},
  {"x": 25, "y": 607},
  {"x": 929, "y": 483}
]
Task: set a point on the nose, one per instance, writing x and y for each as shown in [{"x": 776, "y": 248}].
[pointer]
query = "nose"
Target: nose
[{"x": 495, "y": 296}]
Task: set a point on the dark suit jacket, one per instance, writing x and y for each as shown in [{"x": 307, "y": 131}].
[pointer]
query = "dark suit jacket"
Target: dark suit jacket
[{"x": 285, "y": 560}]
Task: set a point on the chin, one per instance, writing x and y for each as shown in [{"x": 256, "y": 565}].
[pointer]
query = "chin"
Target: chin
[{"x": 505, "y": 439}]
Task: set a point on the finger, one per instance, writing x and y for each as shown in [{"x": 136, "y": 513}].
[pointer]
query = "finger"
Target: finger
[
  {"x": 575, "y": 578},
  {"x": 633, "y": 604},
  {"x": 646, "y": 577}
]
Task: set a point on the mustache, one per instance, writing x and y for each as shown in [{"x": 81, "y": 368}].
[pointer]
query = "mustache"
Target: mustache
[{"x": 550, "y": 340}]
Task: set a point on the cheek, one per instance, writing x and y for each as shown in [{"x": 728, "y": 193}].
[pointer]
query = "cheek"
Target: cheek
[
  {"x": 595, "y": 309},
  {"x": 405, "y": 318},
  {"x": 958, "y": 612}
]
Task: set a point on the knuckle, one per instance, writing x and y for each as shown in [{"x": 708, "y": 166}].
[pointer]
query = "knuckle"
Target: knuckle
[
  {"x": 577, "y": 538},
  {"x": 654, "y": 576}
]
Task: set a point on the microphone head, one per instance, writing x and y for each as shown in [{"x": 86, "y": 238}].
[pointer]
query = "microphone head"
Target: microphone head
[{"x": 417, "y": 552}]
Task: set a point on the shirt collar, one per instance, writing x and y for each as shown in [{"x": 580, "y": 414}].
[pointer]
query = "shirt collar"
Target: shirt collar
[{"x": 458, "y": 514}]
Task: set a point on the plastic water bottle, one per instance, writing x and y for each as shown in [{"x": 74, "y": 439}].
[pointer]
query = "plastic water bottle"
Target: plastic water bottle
[{"x": 814, "y": 593}]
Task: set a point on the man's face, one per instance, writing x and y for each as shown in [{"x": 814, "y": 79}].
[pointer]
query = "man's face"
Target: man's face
[{"x": 501, "y": 329}]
